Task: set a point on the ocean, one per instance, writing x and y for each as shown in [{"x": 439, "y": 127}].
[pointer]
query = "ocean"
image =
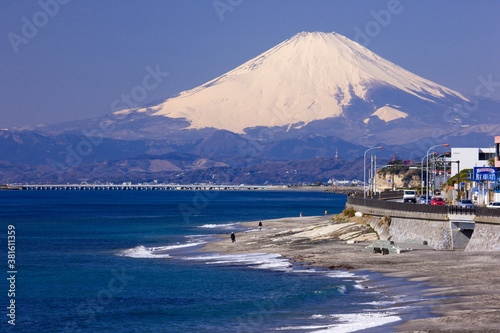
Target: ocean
[{"x": 130, "y": 261}]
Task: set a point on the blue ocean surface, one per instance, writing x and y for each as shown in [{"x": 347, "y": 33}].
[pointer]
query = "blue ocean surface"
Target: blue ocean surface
[{"x": 129, "y": 261}]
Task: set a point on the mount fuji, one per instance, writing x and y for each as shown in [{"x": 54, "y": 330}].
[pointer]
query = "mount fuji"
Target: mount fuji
[
  {"x": 312, "y": 95},
  {"x": 311, "y": 76},
  {"x": 313, "y": 83}
]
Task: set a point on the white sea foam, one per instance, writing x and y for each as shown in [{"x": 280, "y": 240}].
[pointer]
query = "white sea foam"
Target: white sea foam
[
  {"x": 141, "y": 252},
  {"x": 340, "y": 274},
  {"x": 342, "y": 289},
  {"x": 254, "y": 260},
  {"x": 359, "y": 285},
  {"x": 360, "y": 321},
  {"x": 154, "y": 252},
  {"x": 380, "y": 303},
  {"x": 177, "y": 246},
  {"x": 310, "y": 327},
  {"x": 218, "y": 226},
  {"x": 346, "y": 323}
]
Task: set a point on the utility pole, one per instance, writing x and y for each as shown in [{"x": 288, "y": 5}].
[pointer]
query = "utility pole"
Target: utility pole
[
  {"x": 444, "y": 145},
  {"x": 364, "y": 170},
  {"x": 371, "y": 175},
  {"x": 445, "y": 174},
  {"x": 434, "y": 174},
  {"x": 393, "y": 187}
]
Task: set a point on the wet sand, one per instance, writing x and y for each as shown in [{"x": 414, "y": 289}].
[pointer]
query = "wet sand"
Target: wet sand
[{"x": 464, "y": 286}]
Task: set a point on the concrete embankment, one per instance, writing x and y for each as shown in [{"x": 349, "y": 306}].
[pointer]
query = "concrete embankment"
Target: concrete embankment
[
  {"x": 486, "y": 237},
  {"x": 410, "y": 226},
  {"x": 442, "y": 232}
]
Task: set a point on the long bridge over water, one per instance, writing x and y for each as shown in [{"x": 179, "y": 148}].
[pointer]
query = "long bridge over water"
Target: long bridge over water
[{"x": 129, "y": 187}]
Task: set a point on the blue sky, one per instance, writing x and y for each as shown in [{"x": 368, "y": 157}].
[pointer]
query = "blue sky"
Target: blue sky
[{"x": 83, "y": 55}]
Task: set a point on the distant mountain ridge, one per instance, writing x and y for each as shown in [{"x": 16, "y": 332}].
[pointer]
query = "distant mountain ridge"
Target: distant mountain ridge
[{"x": 311, "y": 96}]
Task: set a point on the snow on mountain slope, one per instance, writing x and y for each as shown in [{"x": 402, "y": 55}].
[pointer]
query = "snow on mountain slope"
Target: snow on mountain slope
[
  {"x": 387, "y": 114},
  {"x": 311, "y": 76}
]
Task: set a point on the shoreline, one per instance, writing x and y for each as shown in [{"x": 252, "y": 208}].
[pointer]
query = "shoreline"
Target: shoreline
[{"x": 461, "y": 288}]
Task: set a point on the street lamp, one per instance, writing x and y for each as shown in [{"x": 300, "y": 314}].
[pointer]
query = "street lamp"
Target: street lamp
[
  {"x": 427, "y": 168},
  {"x": 422, "y": 174},
  {"x": 364, "y": 170}
]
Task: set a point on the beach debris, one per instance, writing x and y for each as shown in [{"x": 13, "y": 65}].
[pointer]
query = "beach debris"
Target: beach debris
[{"x": 389, "y": 247}]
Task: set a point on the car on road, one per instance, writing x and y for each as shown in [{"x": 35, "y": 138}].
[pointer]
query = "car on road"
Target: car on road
[
  {"x": 410, "y": 196},
  {"x": 437, "y": 201},
  {"x": 424, "y": 199},
  {"x": 465, "y": 203},
  {"x": 493, "y": 204}
]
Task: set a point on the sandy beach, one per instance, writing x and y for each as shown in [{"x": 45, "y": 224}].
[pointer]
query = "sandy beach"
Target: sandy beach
[{"x": 464, "y": 287}]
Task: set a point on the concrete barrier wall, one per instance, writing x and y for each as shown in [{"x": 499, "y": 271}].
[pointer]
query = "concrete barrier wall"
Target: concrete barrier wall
[
  {"x": 413, "y": 226},
  {"x": 399, "y": 213},
  {"x": 486, "y": 237},
  {"x": 437, "y": 234},
  {"x": 434, "y": 228}
]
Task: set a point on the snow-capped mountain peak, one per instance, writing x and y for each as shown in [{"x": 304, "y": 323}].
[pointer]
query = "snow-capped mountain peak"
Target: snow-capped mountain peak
[{"x": 311, "y": 76}]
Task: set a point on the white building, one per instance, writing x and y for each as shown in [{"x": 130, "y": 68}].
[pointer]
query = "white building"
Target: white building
[{"x": 470, "y": 158}]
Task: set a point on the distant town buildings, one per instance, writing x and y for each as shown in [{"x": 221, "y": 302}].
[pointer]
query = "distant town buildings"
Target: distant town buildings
[
  {"x": 478, "y": 157},
  {"x": 497, "y": 148},
  {"x": 472, "y": 157}
]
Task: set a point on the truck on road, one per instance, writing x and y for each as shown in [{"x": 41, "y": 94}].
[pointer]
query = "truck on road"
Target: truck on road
[{"x": 410, "y": 196}]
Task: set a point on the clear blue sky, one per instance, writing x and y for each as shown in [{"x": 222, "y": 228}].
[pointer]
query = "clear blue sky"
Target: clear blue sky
[{"x": 86, "y": 54}]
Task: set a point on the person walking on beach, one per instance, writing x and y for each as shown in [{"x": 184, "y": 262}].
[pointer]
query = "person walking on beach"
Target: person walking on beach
[
  {"x": 260, "y": 225},
  {"x": 233, "y": 237}
]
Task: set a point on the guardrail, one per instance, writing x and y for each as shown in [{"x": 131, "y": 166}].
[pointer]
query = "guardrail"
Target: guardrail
[
  {"x": 386, "y": 195},
  {"x": 487, "y": 212},
  {"x": 459, "y": 210},
  {"x": 393, "y": 205},
  {"x": 410, "y": 207}
]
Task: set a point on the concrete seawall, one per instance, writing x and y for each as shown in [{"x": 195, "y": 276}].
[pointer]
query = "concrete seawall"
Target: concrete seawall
[
  {"x": 440, "y": 231},
  {"x": 486, "y": 237},
  {"x": 436, "y": 234}
]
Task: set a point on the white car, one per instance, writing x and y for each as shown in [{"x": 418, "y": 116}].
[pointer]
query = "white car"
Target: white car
[
  {"x": 493, "y": 204},
  {"x": 410, "y": 195}
]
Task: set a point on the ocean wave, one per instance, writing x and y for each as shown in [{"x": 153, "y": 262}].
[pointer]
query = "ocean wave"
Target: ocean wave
[
  {"x": 218, "y": 226},
  {"x": 177, "y": 246},
  {"x": 254, "y": 260},
  {"x": 141, "y": 252},
  {"x": 380, "y": 303},
  {"x": 157, "y": 252},
  {"x": 346, "y": 323}
]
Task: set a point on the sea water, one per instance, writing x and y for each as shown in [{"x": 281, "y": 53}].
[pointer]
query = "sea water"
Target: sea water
[{"x": 129, "y": 261}]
